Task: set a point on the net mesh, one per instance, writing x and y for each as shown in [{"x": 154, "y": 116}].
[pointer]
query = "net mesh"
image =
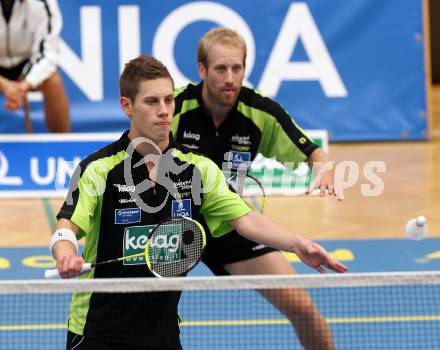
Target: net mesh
[{"x": 361, "y": 311}]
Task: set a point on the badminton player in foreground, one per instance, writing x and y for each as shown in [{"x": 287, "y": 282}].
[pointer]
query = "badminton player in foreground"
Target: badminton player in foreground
[{"x": 121, "y": 194}]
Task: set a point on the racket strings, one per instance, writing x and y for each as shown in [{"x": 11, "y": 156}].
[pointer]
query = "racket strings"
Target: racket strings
[
  {"x": 175, "y": 246},
  {"x": 250, "y": 190}
]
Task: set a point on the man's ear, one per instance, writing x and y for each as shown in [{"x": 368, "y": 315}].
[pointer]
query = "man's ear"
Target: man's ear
[
  {"x": 126, "y": 105},
  {"x": 202, "y": 71}
]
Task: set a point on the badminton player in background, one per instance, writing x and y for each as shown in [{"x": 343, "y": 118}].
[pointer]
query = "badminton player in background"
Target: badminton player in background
[
  {"x": 29, "y": 50},
  {"x": 231, "y": 124},
  {"x": 105, "y": 201}
]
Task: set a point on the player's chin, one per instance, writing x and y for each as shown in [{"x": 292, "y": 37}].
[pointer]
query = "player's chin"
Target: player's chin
[
  {"x": 162, "y": 135},
  {"x": 228, "y": 102},
  {"x": 162, "y": 129}
]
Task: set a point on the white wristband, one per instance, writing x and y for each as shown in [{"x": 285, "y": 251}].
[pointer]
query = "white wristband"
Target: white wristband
[{"x": 63, "y": 234}]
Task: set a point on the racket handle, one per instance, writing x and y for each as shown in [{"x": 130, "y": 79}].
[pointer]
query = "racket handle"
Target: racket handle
[{"x": 51, "y": 274}]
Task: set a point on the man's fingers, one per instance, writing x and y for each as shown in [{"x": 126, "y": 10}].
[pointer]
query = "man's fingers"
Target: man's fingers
[
  {"x": 74, "y": 266},
  {"x": 69, "y": 266},
  {"x": 78, "y": 265},
  {"x": 12, "y": 104},
  {"x": 322, "y": 188},
  {"x": 320, "y": 269},
  {"x": 313, "y": 185},
  {"x": 331, "y": 189},
  {"x": 63, "y": 267},
  {"x": 12, "y": 107},
  {"x": 336, "y": 266}
]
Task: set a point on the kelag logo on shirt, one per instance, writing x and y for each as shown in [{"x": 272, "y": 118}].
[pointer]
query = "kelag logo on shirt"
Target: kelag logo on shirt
[
  {"x": 181, "y": 208},
  {"x": 164, "y": 248},
  {"x": 135, "y": 239},
  {"x": 235, "y": 159}
]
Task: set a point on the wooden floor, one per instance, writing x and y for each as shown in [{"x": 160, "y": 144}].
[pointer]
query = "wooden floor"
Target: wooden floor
[{"x": 411, "y": 188}]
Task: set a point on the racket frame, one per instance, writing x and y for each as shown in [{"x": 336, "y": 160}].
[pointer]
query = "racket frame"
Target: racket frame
[{"x": 259, "y": 184}]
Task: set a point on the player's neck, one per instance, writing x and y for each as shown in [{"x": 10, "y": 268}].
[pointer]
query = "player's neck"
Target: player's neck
[
  {"x": 218, "y": 120},
  {"x": 153, "y": 147}
]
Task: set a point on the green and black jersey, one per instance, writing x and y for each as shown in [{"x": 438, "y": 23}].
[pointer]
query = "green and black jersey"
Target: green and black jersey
[
  {"x": 115, "y": 217},
  {"x": 257, "y": 124}
]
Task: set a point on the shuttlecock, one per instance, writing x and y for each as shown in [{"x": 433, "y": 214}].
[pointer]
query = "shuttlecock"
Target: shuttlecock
[{"x": 417, "y": 229}]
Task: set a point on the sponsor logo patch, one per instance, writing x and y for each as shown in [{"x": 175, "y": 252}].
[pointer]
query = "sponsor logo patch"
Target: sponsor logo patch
[
  {"x": 236, "y": 159},
  {"x": 127, "y": 216},
  {"x": 135, "y": 239},
  {"x": 130, "y": 200},
  {"x": 164, "y": 248},
  {"x": 183, "y": 185},
  {"x": 241, "y": 140},
  {"x": 125, "y": 188},
  {"x": 190, "y": 135},
  {"x": 191, "y": 146},
  {"x": 181, "y": 208}
]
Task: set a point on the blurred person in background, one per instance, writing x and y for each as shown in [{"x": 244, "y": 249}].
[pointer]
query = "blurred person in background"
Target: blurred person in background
[{"x": 29, "y": 50}]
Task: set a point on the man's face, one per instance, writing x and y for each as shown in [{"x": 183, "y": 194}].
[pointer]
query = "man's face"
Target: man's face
[
  {"x": 224, "y": 75},
  {"x": 152, "y": 110}
]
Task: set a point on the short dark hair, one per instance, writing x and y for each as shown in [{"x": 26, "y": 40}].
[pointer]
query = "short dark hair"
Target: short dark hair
[
  {"x": 139, "y": 69},
  {"x": 220, "y": 35}
]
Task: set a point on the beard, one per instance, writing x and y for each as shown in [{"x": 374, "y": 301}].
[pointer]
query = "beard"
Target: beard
[{"x": 220, "y": 99}]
